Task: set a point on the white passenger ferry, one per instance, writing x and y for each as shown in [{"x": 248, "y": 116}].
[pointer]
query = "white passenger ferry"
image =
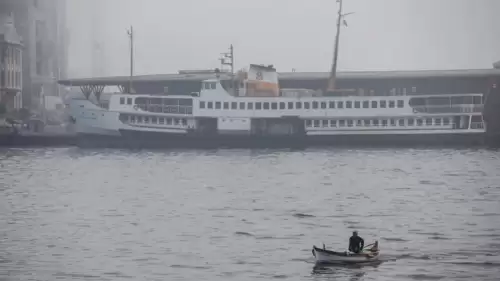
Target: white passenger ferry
[{"x": 251, "y": 110}]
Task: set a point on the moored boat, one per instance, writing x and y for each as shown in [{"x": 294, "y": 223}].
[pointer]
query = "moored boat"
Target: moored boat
[{"x": 328, "y": 256}]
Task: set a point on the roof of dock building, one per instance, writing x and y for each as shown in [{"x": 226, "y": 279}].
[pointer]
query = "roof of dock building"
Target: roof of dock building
[{"x": 290, "y": 76}]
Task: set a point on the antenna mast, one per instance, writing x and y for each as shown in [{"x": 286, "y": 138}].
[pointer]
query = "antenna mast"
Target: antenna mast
[
  {"x": 131, "y": 37},
  {"x": 229, "y": 56},
  {"x": 333, "y": 73}
]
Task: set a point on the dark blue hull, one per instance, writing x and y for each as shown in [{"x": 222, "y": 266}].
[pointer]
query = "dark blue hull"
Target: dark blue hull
[{"x": 135, "y": 139}]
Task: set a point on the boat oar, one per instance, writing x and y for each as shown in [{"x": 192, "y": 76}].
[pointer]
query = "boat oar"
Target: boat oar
[{"x": 369, "y": 245}]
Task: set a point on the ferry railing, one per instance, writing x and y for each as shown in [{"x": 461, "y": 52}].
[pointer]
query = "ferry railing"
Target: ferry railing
[
  {"x": 448, "y": 108},
  {"x": 477, "y": 125}
]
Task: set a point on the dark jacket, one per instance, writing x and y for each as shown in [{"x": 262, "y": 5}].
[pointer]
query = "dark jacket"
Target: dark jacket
[{"x": 356, "y": 244}]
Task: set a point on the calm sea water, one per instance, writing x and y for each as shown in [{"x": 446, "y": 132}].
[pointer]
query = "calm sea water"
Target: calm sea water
[{"x": 73, "y": 214}]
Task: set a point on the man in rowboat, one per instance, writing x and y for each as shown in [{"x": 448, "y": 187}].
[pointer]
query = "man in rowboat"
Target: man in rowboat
[{"x": 356, "y": 243}]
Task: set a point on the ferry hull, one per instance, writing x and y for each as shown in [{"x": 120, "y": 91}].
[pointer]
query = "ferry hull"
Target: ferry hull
[{"x": 137, "y": 139}]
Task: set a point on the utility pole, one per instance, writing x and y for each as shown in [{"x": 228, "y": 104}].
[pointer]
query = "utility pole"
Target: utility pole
[
  {"x": 333, "y": 73},
  {"x": 97, "y": 47},
  {"x": 131, "y": 37}
]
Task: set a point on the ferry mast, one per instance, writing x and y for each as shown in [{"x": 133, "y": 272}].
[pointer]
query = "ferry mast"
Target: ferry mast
[{"x": 333, "y": 73}]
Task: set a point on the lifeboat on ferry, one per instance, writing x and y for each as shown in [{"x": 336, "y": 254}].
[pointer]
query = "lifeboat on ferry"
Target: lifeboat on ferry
[{"x": 324, "y": 256}]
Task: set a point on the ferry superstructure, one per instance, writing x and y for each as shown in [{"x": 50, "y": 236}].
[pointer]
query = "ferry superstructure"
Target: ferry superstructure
[{"x": 253, "y": 110}]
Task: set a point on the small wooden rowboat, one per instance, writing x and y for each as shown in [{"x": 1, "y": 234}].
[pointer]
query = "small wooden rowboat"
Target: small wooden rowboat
[{"x": 327, "y": 256}]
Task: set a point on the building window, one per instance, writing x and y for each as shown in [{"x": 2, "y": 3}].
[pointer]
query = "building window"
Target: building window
[
  {"x": 315, "y": 105},
  {"x": 316, "y": 123},
  {"x": 340, "y": 104},
  {"x": 306, "y": 105},
  {"x": 226, "y": 105},
  {"x": 290, "y": 105},
  {"x": 218, "y": 105},
  {"x": 331, "y": 104},
  {"x": 274, "y": 106},
  {"x": 357, "y": 104},
  {"x": 401, "y": 104},
  {"x": 129, "y": 101},
  {"x": 383, "y": 104},
  {"x": 242, "y": 105},
  {"x": 323, "y": 105},
  {"x": 298, "y": 105},
  {"x": 250, "y": 106},
  {"x": 392, "y": 104},
  {"x": 282, "y": 105},
  {"x": 428, "y": 121},
  {"x": 366, "y": 104},
  {"x": 374, "y": 104},
  {"x": 401, "y": 122},
  {"x": 308, "y": 123},
  {"x": 348, "y": 104},
  {"x": 258, "y": 105},
  {"x": 437, "y": 121},
  {"x": 122, "y": 100},
  {"x": 210, "y": 105},
  {"x": 411, "y": 122},
  {"x": 266, "y": 106},
  {"x": 202, "y": 104}
]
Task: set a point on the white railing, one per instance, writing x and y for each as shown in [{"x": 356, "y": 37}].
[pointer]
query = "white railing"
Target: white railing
[
  {"x": 477, "y": 125},
  {"x": 472, "y": 108}
]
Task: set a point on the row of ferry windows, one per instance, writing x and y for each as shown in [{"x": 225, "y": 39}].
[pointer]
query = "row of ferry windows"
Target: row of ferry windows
[
  {"x": 379, "y": 122},
  {"x": 301, "y": 105},
  {"x": 157, "y": 120}
]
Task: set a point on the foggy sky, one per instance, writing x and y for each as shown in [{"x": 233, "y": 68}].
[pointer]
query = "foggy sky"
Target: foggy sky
[{"x": 190, "y": 34}]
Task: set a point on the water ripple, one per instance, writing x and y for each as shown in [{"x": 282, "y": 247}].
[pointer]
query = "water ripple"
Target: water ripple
[{"x": 76, "y": 214}]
